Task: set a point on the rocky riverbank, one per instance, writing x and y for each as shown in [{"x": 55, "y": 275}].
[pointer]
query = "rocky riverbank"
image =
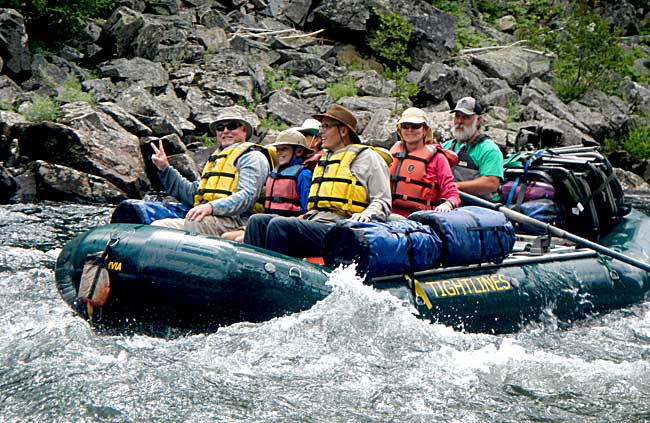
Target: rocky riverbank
[{"x": 163, "y": 70}]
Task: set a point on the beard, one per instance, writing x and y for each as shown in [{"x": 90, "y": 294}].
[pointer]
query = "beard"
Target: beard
[{"x": 464, "y": 133}]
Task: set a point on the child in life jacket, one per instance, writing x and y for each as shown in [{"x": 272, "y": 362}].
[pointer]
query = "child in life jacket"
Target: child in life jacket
[
  {"x": 421, "y": 177},
  {"x": 287, "y": 186}
]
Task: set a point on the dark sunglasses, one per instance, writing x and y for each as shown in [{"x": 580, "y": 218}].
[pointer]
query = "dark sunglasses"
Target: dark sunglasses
[
  {"x": 230, "y": 125},
  {"x": 411, "y": 125}
]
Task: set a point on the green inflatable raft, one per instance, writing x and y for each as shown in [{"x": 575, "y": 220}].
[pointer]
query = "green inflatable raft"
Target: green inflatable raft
[{"x": 167, "y": 277}]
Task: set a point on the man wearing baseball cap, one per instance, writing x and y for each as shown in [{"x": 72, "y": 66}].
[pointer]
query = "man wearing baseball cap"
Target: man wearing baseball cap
[
  {"x": 480, "y": 162},
  {"x": 231, "y": 181},
  {"x": 351, "y": 181}
]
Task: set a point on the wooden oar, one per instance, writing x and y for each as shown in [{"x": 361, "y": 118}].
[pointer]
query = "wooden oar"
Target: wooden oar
[{"x": 553, "y": 230}]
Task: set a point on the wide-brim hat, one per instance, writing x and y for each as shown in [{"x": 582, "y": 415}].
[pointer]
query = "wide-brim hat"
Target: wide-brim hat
[
  {"x": 468, "y": 106},
  {"x": 344, "y": 116},
  {"x": 310, "y": 127},
  {"x": 292, "y": 137},
  {"x": 229, "y": 114},
  {"x": 416, "y": 115}
]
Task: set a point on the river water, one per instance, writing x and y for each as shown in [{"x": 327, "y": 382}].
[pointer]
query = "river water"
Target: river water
[{"x": 357, "y": 356}]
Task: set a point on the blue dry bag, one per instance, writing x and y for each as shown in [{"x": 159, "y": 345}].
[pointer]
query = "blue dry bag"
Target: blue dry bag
[
  {"x": 470, "y": 235},
  {"x": 395, "y": 247},
  {"x": 140, "y": 211}
]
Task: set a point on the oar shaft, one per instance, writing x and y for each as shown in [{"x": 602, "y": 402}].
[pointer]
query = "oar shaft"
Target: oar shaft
[{"x": 553, "y": 230}]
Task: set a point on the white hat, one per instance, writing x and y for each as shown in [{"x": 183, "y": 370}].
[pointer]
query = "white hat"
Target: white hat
[
  {"x": 415, "y": 115},
  {"x": 310, "y": 127},
  {"x": 468, "y": 106}
]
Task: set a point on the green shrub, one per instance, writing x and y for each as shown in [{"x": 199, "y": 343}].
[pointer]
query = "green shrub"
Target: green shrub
[
  {"x": 391, "y": 39},
  {"x": 65, "y": 18},
  {"x": 636, "y": 141},
  {"x": 341, "y": 89},
  {"x": 42, "y": 109},
  {"x": 391, "y": 42},
  {"x": 586, "y": 50},
  {"x": 71, "y": 91},
  {"x": 403, "y": 90},
  {"x": 279, "y": 79},
  {"x": 466, "y": 34},
  {"x": 206, "y": 139},
  {"x": 266, "y": 124}
]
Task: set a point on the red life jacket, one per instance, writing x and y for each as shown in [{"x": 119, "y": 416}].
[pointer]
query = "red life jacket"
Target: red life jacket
[
  {"x": 312, "y": 160},
  {"x": 411, "y": 190},
  {"x": 281, "y": 191}
]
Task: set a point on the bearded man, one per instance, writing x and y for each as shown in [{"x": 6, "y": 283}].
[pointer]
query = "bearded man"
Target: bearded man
[{"x": 480, "y": 167}]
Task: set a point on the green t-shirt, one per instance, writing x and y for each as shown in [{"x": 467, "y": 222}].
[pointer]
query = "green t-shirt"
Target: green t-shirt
[{"x": 486, "y": 155}]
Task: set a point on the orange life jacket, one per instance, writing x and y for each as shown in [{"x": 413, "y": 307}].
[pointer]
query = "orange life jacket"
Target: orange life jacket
[
  {"x": 410, "y": 188},
  {"x": 281, "y": 191}
]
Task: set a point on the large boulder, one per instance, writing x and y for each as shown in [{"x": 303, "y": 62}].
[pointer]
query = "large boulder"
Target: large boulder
[
  {"x": 87, "y": 140},
  {"x": 14, "y": 50}
]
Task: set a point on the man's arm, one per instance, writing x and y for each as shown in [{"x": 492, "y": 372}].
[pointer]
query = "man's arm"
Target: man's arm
[
  {"x": 483, "y": 185},
  {"x": 177, "y": 186},
  {"x": 372, "y": 172},
  {"x": 253, "y": 169}
]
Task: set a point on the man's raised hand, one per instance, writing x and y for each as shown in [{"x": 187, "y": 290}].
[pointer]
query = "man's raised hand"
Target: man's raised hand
[{"x": 159, "y": 157}]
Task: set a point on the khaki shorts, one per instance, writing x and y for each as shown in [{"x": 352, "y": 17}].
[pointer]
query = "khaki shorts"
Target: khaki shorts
[{"x": 211, "y": 225}]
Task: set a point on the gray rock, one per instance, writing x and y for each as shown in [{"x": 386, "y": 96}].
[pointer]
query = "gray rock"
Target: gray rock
[
  {"x": 125, "y": 119},
  {"x": 59, "y": 183},
  {"x": 514, "y": 65},
  {"x": 148, "y": 74},
  {"x": 285, "y": 108},
  {"x": 13, "y": 45}
]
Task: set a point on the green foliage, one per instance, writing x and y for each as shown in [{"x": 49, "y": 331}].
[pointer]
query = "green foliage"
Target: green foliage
[
  {"x": 5, "y": 104},
  {"x": 391, "y": 39},
  {"x": 636, "y": 141},
  {"x": 586, "y": 50},
  {"x": 391, "y": 42},
  {"x": 71, "y": 91},
  {"x": 65, "y": 18},
  {"x": 267, "y": 123},
  {"x": 206, "y": 139},
  {"x": 341, "y": 89},
  {"x": 514, "y": 110},
  {"x": 403, "y": 90},
  {"x": 630, "y": 55},
  {"x": 42, "y": 109},
  {"x": 279, "y": 79},
  {"x": 466, "y": 34}
]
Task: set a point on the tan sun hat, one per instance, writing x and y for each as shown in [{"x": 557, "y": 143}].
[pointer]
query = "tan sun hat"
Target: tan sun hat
[
  {"x": 293, "y": 137},
  {"x": 415, "y": 115},
  {"x": 229, "y": 114},
  {"x": 310, "y": 127},
  {"x": 344, "y": 116}
]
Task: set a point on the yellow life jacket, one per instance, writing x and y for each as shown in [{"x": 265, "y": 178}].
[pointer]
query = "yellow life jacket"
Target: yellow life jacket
[
  {"x": 219, "y": 178},
  {"x": 334, "y": 188}
]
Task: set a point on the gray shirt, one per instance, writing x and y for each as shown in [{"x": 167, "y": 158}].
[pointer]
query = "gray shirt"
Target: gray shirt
[
  {"x": 253, "y": 169},
  {"x": 373, "y": 174}
]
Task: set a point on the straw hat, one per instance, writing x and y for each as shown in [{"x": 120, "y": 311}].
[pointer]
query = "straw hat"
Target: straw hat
[
  {"x": 229, "y": 114},
  {"x": 344, "y": 116},
  {"x": 293, "y": 137}
]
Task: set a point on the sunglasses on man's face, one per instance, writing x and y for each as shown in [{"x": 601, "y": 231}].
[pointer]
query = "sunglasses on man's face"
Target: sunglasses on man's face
[
  {"x": 230, "y": 125},
  {"x": 411, "y": 125}
]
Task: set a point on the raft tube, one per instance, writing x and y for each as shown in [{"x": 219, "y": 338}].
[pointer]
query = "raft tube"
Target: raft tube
[{"x": 169, "y": 277}]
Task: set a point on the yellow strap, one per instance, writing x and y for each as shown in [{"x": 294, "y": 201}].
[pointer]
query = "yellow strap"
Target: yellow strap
[
  {"x": 89, "y": 309},
  {"x": 419, "y": 291}
]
